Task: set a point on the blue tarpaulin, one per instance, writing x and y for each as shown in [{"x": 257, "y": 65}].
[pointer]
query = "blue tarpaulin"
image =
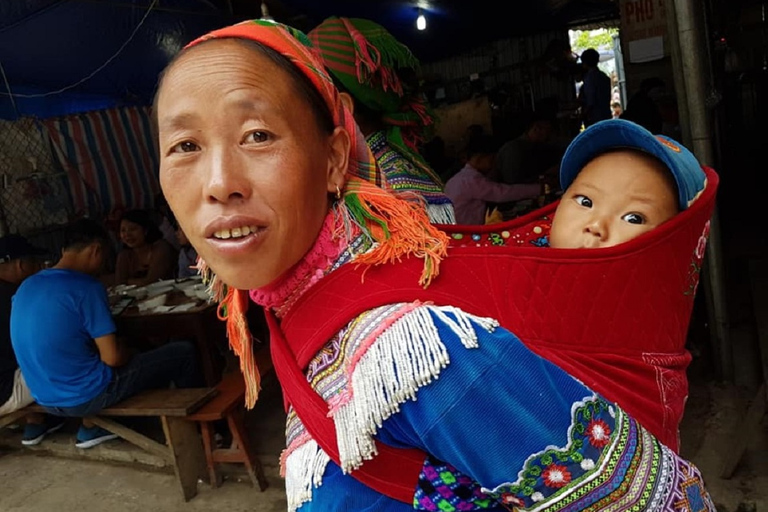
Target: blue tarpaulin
[
  {"x": 65, "y": 56},
  {"x": 60, "y": 57}
]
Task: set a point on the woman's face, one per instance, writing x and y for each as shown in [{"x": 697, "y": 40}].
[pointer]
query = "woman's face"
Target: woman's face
[
  {"x": 132, "y": 234},
  {"x": 243, "y": 163}
]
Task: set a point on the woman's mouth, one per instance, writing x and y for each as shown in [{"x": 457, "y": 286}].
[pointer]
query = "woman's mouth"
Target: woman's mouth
[
  {"x": 235, "y": 236},
  {"x": 237, "y": 232},
  {"x": 236, "y": 240}
]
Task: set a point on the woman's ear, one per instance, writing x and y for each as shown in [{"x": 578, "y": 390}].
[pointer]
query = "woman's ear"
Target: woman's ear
[
  {"x": 338, "y": 160},
  {"x": 347, "y": 101}
]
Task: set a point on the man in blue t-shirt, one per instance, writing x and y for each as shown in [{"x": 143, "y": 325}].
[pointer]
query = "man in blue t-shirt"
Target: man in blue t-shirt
[{"x": 64, "y": 338}]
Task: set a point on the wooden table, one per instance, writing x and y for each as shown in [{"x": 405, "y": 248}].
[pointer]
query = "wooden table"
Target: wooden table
[{"x": 199, "y": 324}]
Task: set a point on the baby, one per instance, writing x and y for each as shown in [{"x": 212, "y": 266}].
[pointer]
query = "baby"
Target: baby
[{"x": 621, "y": 181}]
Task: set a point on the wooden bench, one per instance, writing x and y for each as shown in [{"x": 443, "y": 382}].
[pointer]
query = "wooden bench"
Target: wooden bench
[
  {"x": 183, "y": 449},
  {"x": 228, "y": 405}
]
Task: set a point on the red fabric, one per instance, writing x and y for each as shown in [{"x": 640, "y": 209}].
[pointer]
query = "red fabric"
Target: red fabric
[{"x": 614, "y": 318}]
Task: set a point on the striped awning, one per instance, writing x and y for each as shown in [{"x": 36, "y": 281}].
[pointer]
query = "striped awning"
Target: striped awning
[{"x": 109, "y": 156}]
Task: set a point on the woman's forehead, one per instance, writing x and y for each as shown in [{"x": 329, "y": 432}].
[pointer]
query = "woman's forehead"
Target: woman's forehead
[
  {"x": 217, "y": 70},
  {"x": 211, "y": 58}
]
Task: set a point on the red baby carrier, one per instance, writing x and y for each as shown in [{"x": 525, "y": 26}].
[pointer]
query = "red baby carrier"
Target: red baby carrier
[{"x": 614, "y": 318}]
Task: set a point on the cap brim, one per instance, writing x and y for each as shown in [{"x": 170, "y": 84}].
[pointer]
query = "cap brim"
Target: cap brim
[{"x": 618, "y": 133}]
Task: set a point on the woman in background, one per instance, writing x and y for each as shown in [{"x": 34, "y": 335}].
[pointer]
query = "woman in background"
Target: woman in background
[{"x": 146, "y": 256}]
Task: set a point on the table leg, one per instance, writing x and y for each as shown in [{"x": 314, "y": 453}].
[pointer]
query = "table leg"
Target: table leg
[{"x": 187, "y": 455}]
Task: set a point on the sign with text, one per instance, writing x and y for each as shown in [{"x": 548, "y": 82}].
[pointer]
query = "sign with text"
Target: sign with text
[{"x": 643, "y": 20}]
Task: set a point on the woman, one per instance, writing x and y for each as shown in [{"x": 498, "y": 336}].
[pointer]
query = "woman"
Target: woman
[
  {"x": 272, "y": 182},
  {"x": 187, "y": 263},
  {"x": 377, "y": 74},
  {"x": 146, "y": 256}
]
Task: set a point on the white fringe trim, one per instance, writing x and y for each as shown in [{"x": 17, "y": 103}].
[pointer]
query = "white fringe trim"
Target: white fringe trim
[
  {"x": 404, "y": 358},
  {"x": 441, "y": 213},
  {"x": 304, "y": 469}
]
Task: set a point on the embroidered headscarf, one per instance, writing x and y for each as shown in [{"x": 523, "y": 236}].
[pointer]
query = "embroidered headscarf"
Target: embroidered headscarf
[
  {"x": 367, "y": 60},
  {"x": 394, "y": 227}
]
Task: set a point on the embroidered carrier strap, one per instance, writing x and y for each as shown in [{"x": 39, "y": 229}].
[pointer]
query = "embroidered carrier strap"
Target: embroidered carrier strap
[
  {"x": 321, "y": 313},
  {"x": 394, "y": 472},
  {"x": 327, "y": 307}
]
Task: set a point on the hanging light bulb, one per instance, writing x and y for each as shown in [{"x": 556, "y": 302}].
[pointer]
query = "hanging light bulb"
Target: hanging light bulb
[
  {"x": 421, "y": 21},
  {"x": 265, "y": 12}
]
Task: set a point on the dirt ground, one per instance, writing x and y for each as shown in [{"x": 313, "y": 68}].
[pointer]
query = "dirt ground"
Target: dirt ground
[
  {"x": 713, "y": 421},
  {"x": 35, "y": 483}
]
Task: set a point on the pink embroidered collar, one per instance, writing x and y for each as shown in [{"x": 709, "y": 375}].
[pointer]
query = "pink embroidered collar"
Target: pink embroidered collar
[{"x": 319, "y": 261}]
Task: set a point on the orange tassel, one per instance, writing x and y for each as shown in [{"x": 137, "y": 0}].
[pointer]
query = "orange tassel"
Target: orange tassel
[
  {"x": 399, "y": 226},
  {"x": 232, "y": 309}
]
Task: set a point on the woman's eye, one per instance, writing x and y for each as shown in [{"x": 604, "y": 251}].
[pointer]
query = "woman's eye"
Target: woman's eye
[
  {"x": 583, "y": 201},
  {"x": 634, "y": 218},
  {"x": 185, "y": 147},
  {"x": 256, "y": 136}
]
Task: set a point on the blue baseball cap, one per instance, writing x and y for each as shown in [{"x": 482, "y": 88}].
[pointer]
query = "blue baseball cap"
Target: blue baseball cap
[{"x": 622, "y": 134}]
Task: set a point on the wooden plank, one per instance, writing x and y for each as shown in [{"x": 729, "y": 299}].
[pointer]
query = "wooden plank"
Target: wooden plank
[
  {"x": 187, "y": 455},
  {"x": 133, "y": 437},
  {"x": 206, "y": 432},
  {"x": 231, "y": 389},
  {"x": 162, "y": 402},
  {"x": 236, "y": 422},
  {"x": 13, "y": 417},
  {"x": 231, "y": 393},
  {"x": 229, "y": 455}
]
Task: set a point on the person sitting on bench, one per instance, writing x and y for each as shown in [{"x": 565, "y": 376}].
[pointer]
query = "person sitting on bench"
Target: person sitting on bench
[
  {"x": 18, "y": 260},
  {"x": 64, "y": 338}
]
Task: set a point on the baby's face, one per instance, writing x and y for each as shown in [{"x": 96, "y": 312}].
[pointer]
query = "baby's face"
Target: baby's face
[{"x": 615, "y": 198}]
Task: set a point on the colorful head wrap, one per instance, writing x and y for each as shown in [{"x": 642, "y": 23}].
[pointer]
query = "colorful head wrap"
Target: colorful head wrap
[
  {"x": 394, "y": 227},
  {"x": 366, "y": 59}
]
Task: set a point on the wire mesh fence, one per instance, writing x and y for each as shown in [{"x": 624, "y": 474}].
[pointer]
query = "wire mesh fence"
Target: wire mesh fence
[{"x": 33, "y": 190}]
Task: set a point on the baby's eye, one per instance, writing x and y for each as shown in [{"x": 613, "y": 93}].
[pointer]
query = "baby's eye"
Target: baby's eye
[
  {"x": 185, "y": 147},
  {"x": 256, "y": 136},
  {"x": 583, "y": 201},
  {"x": 634, "y": 218}
]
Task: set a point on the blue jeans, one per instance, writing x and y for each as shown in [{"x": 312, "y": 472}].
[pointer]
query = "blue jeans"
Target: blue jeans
[{"x": 173, "y": 362}]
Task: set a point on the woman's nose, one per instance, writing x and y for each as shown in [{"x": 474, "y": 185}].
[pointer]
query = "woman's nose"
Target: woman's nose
[{"x": 227, "y": 178}]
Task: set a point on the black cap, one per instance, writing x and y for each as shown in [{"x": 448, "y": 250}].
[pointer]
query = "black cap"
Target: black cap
[{"x": 13, "y": 247}]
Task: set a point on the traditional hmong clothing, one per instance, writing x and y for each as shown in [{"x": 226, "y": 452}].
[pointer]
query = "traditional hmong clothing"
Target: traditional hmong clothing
[
  {"x": 365, "y": 59},
  {"x": 518, "y": 432},
  {"x": 500, "y": 429}
]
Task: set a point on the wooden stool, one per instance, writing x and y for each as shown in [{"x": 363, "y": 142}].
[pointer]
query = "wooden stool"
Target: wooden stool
[{"x": 228, "y": 405}]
